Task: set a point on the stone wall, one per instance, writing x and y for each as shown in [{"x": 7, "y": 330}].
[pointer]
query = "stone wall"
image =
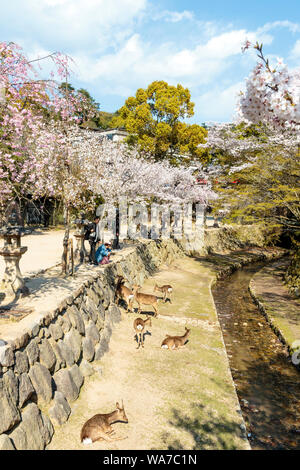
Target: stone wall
[
  {"x": 292, "y": 277},
  {"x": 224, "y": 239},
  {"x": 43, "y": 369}
]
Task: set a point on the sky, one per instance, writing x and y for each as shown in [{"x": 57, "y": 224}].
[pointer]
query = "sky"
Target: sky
[{"x": 119, "y": 46}]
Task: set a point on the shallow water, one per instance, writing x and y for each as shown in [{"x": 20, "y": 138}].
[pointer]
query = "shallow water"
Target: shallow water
[{"x": 267, "y": 383}]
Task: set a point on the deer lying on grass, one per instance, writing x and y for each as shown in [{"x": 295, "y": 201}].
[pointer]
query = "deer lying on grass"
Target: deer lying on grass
[
  {"x": 99, "y": 426},
  {"x": 175, "y": 342},
  {"x": 166, "y": 289},
  {"x": 139, "y": 326},
  {"x": 145, "y": 299},
  {"x": 124, "y": 293}
]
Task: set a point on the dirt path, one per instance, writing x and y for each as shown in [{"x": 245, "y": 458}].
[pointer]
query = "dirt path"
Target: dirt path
[
  {"x": 174, "y": 400},
  {"x": 44, "y": 251}
]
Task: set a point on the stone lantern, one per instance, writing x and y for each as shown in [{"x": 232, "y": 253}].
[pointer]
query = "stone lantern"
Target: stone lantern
[
  {"x": 12, "y": 283},
  {"x": 80, "y": 254}
]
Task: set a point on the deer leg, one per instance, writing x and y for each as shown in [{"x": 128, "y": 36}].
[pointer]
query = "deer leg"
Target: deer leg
[
  {"x": 107, "y": 433},
  {"x": 117, "y": 298},
  {"x": 155, "y": 310},
  {"x": 109, "y": 429},
  {"x": 112, "y": 439},
  {"x": 101, "y": 435}
]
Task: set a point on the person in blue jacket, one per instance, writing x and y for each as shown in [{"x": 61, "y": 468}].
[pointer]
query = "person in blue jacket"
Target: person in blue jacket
[{"x": 103, "y": 253}]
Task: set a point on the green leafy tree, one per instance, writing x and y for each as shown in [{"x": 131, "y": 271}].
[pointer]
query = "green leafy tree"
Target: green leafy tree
[
  {"x": 267, "y": 191},
  {"x": 89, "y": 108},
  {"x": 105, "y": 119},
  {"x": 154, "y": 120},
  {"x": 66, "y": 88}
]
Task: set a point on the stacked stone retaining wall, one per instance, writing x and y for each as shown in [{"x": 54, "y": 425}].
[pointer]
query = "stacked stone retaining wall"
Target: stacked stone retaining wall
[{"x": 43, "y": 369}]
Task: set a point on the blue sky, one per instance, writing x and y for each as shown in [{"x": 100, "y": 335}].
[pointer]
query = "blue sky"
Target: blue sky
[{"x": 121, "y": 45}]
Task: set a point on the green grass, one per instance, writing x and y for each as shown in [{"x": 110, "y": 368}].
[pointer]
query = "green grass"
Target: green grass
[{"x": 181, "y": 399}]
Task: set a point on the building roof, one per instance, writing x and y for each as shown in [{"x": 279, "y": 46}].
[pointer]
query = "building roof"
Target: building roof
[{"x": 114, "y": 130}]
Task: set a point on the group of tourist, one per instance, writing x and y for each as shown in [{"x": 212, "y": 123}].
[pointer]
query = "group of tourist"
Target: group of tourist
[{"x": 100, "y": 255}]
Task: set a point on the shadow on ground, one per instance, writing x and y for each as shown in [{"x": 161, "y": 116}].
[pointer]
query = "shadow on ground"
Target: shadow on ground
[{"x": 206, "y": 430}]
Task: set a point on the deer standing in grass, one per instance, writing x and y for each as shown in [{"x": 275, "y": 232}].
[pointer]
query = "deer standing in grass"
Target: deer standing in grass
[
  {"x": 145, "y": 299},
  {"x": 139, "y": 326},
  {"x": 166, "y": 289},
  {"x": 175, "y": 342},
  {"x": 124, "y": 293},
  {"x": 99, "y": 426}
]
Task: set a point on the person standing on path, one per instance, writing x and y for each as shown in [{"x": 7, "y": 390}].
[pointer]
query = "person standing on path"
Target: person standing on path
[
  {"x": 116, "y": 244},
  {"x": 94, "y": 238}
]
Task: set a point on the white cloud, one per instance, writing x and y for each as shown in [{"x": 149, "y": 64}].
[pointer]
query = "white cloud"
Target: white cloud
[
  {"x": 174, "y": 16},
  {"x": 295, "y": 52},
  {"x": 54, "y": 3},
  {"x": 204, "y": 67},
  {"x": 74, "y": 25},
  {"x": 293, "y": 27},
  {"x": 137, "y": 63},
  {"x": 115, "y": 53},
  {"x": 112, "y": 66},
  {"x": 219, "y": 104}
]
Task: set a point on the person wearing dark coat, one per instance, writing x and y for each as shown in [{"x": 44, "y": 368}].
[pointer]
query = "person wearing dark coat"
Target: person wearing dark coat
[{"x": 94, "y": 237}]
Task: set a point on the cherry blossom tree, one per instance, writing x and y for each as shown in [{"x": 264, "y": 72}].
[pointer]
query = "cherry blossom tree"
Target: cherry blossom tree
[
  {"x": 239, "y": 144},
  {"x": 272, "y": 94},
  {"x": 95, "y": 167},
  {"x": 263, "y": 161},
  {"x": 43, "y": 152},
  {"x": 27, "y": 103},
  {"x": 124, "y": 172}
]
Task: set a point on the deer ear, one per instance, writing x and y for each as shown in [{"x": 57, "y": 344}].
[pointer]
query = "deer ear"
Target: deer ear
[{"x": 118, "y": 406}]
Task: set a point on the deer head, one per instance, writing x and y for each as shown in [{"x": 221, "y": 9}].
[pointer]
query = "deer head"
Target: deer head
[
  {"x": 135, "y": 288},
  {"x": 120, "y": 280},
  {"x": 120, "y": 413}
]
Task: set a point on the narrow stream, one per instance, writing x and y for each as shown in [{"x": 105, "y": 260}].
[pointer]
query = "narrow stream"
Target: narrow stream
[{"x": 267, "y": 383}]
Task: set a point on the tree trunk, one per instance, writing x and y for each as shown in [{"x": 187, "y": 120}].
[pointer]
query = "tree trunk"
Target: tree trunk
[{"x": 64, "y": 261}]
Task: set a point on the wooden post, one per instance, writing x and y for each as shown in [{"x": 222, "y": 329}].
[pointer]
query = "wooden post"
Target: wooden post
[{"x": 72, "y": 257}]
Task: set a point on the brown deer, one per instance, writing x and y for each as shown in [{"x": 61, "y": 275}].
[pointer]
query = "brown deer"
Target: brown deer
[
  {"x": 166, "y": 289},
  {"x": 99, "y": 426},
  {"x": 175, "y": 342},
  {"x": 139, "y": 325},
  {"x": 124, "y": 293},
  {"x": 145, "y": 299}
]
